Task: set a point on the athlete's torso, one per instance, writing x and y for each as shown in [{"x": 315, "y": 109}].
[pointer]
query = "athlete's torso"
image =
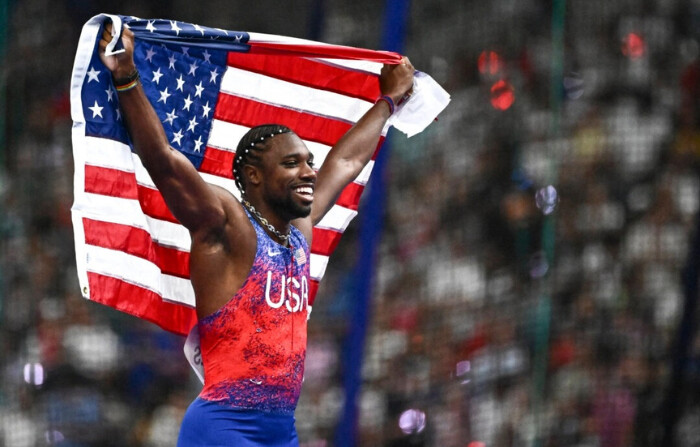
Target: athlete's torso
[{"x": 253, "y": 348}]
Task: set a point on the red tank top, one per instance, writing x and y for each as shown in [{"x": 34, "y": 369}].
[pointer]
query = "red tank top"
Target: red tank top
[{"x": 253, "y": 348}]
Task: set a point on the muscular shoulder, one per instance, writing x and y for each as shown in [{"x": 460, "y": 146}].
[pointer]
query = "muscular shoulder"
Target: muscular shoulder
[{"x": 235, "y": 228}]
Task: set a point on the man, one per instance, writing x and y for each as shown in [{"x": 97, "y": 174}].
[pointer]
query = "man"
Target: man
[{"x": 249, "y": 261}]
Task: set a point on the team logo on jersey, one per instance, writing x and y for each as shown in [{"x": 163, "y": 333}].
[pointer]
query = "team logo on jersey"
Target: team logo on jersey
[{"x": 294, "y": 294}]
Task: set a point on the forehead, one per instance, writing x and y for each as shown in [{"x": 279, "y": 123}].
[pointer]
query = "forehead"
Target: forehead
[{"x": 287, "y": 144}]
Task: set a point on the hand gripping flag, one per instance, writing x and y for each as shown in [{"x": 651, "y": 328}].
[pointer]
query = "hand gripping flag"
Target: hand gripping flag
[{"x": 208, "y": 87}]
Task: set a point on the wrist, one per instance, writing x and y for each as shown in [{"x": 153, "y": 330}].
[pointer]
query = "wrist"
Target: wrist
[
  {"x": 389, "y": 101},
  {"x": 124, "y": 83},
  {"x": 123, "y": 72}
]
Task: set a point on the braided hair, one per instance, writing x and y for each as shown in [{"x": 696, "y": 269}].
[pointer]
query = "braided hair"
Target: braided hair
[{"x": 250, "y": 148}]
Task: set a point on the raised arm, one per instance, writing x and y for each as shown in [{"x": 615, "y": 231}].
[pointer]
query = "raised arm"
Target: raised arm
[
  {"x": 192, "y": 201},
  {"x": 354, "y": 150}
]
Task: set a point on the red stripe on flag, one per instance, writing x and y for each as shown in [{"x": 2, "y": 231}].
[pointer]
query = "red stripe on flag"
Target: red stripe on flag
[
  {"x": 324, "y": 51},
  {"x": 313, "y": 290},
  {"x": 310, "y": 73},
  {"x": 250, "y": 113},
  {"x": 137, "y": 242},
  {"x": 350, "y": 196},
  {"x": 142, "y": 303},
  {"x": 153, "y": 204},
  {"x": 110, "y": 182},
  {"x": 324, "y": 241},
  {"x": 218, "y": 162},
  {"x": 122, "y": 184}
]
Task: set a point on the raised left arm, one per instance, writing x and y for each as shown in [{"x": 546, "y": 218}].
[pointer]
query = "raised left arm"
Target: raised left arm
[{"x": 354, "y": 150}]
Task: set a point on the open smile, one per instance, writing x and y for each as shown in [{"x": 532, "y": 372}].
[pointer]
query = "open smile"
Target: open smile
[{"x": 305, "y": 191}]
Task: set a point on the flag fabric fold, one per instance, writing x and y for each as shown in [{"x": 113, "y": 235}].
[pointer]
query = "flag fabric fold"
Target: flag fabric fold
[{"x": 208, "y": 87}]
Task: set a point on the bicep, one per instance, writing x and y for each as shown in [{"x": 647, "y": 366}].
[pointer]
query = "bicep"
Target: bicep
[
  {"x": 332, "y": 178},
  {"x": 192, "y": 201}
]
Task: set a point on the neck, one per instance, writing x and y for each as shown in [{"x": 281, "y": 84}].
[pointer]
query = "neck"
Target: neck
[{"x": 280, "y": 232}]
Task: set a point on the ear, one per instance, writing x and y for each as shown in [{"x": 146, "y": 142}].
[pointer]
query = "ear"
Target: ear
[{"x": 252, "y": 174}]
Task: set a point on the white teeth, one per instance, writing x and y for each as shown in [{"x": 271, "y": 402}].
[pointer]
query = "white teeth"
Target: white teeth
[{"x": 305, "y": 190}]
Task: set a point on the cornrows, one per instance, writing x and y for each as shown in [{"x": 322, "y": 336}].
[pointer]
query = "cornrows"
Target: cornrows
[{"x": 250, "y": 149}]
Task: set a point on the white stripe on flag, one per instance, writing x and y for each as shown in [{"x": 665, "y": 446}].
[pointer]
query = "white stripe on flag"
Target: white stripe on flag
[
  {"x": 338, "y": 218},
  {"x": 139, "y": 271},
  {"x": 115, "y": 155},
  {"x": 293, "y": 96},
  {"x": 108, "y": 153},
  {"x": 317, "y": 266},
  {"x": 128, "y": 212},
  {"x": 225, "y": 136}
]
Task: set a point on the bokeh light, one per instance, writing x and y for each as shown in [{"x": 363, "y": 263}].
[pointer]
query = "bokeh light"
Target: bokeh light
[
  {"x": 54, "y": 437},
  {"x": 538, "y": 265},
  {"x": 633, "y": 46},
  {"x": 502, "y": 95},
  {"x": 490, "y": 62},
  {"x": 547, "y": 199},
  {"x": 34, "y": 374},
  {"x": 573, "y": 85},
  {"x": 462, "y": 369},
  {"x": 412, "y": 421}
]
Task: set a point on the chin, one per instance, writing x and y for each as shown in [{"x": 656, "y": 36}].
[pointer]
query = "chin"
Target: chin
[
  {"x": 295, "y": 210},
  {"x": 302, "y": 211}
]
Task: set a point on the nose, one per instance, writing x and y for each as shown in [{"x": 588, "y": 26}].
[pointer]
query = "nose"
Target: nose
[{"x": 308, "y": 173}]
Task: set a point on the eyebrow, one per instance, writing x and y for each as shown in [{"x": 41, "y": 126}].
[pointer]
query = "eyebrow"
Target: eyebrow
[{"x": 298, "y": 155}]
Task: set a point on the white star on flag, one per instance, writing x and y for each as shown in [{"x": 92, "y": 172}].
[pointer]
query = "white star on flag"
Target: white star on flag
[
  {"x": 177, "y": 136},
  {"x": 170, "y": 117},
  {"x": 174, "y": 27},
  {"x": 92, "y": 74},
  {"x": 96, "y": 110},
  {"x": 206, "y": 109},
  {"x": 149, "y": 26},
  {"x": 193, "y": 68},
  {"x": 198, "y": 143},
  {"x": 214, "y": 75},
  {"x": 199, "y": 89},
  {"x": 193, "y": 123},
  {"x": 188, "y": 103},
  {"x": 149, "y": 54},
  {"x": 180, "y": 83},
  {"x": 156, "y": 76},
  {"x": 164, "y": 95}
]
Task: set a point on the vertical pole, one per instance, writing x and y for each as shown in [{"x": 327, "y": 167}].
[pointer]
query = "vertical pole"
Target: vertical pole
[
  {"x": 396, "y": 15},
  {"x": 317, "y": 19},
  {"x": 674, "y": 402},
  {"x": 4, "y": 21},
  {"x": 543, "y": 315}
]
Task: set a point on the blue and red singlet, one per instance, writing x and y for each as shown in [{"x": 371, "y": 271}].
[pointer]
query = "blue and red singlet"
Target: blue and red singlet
[{"x": 253, "y": 351}]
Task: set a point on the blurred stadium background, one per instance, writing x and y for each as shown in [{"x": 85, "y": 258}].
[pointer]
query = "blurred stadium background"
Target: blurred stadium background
[{"x": 537, "y": 278}]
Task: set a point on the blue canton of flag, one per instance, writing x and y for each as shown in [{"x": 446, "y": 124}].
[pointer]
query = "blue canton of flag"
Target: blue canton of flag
[
  {"x": 185, "y": 85},
  {"x": 181, "y": 81}
]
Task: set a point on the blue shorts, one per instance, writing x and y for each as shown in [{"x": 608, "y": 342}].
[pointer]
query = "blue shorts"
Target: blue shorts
[{"x": 213, "y": 425}]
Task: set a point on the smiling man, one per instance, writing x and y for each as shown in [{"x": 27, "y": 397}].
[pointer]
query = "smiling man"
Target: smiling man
[{"x": 249, "y": 260}]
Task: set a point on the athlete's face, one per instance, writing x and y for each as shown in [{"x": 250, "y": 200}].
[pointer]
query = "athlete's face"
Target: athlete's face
[{"x": 289, "y": 178}]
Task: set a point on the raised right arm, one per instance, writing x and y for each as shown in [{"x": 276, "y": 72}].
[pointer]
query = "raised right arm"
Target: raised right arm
[{"x": 191, "y": 200}]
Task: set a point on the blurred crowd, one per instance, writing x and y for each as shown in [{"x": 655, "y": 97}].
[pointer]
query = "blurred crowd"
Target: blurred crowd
[{"x": 529, "y": 285}]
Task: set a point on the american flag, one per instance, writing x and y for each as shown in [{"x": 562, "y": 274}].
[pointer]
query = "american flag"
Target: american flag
[{"x": 208, "y": 87}]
